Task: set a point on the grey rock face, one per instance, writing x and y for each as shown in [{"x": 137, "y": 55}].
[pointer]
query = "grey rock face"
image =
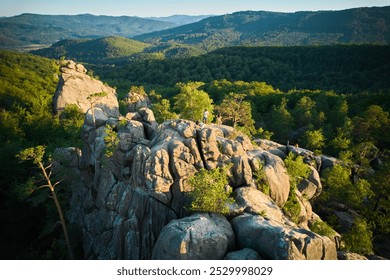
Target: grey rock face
[
  {"x": 198, "y": 237},
  {"x": 257, "y": 203},
  {"x": 135, "y": 101},
  {"x": 75, "y": 86},
  {"x": 275, "y": 172},
  {"x": 244, "y": 254},
  {"x": 342, "y": 255},
  {"x": 132, "y": 204},
  {"x": 273, "y": 240},
  {"x": 129, "y": 194},
  {"x": 311, "y": 187}
]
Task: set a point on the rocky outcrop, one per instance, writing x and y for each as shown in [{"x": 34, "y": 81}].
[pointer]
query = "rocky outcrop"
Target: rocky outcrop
[
  {"x": 136, "y": 100},
  {"x": 130, "y": 199},
  {"x": 75, "y": 86},
  {"x": 318, "y": 162}
]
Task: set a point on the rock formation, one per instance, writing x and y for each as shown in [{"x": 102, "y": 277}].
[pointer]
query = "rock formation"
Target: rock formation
[
  {"x": 130, "y": 186},
  {"x": 75, "y": 86},
  {"x": 131, "y": 203}
]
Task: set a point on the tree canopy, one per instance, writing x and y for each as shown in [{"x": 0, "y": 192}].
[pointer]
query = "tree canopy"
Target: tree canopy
[{"x": 191, "y": 101}]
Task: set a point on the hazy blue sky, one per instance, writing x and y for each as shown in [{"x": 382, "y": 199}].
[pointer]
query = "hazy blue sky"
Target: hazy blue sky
[{"x": 144, "y": 8}]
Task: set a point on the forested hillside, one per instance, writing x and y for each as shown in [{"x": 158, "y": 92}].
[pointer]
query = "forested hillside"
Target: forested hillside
[
  {"x": 115, "y": 50},
  {"x": 93, "y": 50},
  {"x": 342, "y": 68},
  {"x": 27, "y": 86},
  {"x": 361, "y": 25}
]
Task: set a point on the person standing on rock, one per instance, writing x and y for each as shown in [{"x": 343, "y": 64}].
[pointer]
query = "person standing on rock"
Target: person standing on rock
[
  {"x": 205, "y": 116},
  {"x": 219, "y": 120}
]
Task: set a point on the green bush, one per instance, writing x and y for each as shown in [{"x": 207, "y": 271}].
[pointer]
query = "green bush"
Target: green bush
[
  {"x": 297, "y": 170},
  {"x": 359, "y": 238},
  {"x": 339, "y": 187},
  {"x": 292, "y": 207},
  {"x": 111, "y": 140},
  {"x": 210, "y": 192},
  {"x": 322, "y": 228},
  {"x": 260, "y": 179}
]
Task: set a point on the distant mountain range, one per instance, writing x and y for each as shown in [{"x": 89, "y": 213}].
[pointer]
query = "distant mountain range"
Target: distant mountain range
[
  {"x": 254, "y": 28},
  {"x": 360, "y": 25},
  {"x": 180, "y": 19},
  {"x": 34, "y": 29}
]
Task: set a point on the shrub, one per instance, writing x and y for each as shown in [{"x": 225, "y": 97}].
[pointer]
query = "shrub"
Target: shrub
[
  {"x": 292, "y": 207},
  {"x": 210, "y": 191},
  {"x": 260, "y": 179},
  {"x": 111, "y": 140},
  {"x": 359, "y": 238},
  {"x": 297, "y": 170},
  {"x": 340, "y": 188},
  {"x": 322, "y": 228}
]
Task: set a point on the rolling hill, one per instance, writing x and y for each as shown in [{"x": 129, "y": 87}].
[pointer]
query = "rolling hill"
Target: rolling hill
[
  {"x": 115, "y": 50},
  {"x": 30, "y": 29},
  {"x": 93, "y": 50},
  {"x": 360, "y": 25}
]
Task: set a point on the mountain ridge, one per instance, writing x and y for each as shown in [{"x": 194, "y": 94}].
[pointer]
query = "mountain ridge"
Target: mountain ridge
[
  {"x": 27, "y": 29},
  {"x": 260, "y": 28},
  {"x": 358, "y": 25},
  {"x": 180, "y": 19}
]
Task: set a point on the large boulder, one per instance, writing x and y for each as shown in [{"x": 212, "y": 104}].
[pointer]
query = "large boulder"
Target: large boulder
[
  {"x": 275, "y": 174},
  {"x": 244, "y": 254},
  {"x": 311, "y": 187},
  {"x": 273, "y": 240},
  {"x": 198, "y": 237},
  {"x": 309, "y": 157},
  {"x": 348, "y": 256},
  {"x": 272, "y": 147},
  {"x": 220, "y": 148},
  {"x": 257, "y": 203},
  {"x": 75, "y": 86},
  {"x": 136, "y": 100}
]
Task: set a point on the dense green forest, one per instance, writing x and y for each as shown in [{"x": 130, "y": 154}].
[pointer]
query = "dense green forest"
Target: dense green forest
[
  {"x": 27, "y": 86},
  {"x": 341, "y": 68},
  {"x": 330, "y": 99}
]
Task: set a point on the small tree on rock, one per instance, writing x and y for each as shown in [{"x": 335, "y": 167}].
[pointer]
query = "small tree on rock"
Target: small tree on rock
[
  {"x": 36, "y": 154},
  {"x": 210, "y": 191},
  {"x": 93, "y": 99}
]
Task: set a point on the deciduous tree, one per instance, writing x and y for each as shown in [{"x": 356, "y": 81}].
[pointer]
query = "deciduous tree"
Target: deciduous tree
[
  {"x": 237, "y": 111},
  {"x": 191, "y": 101}
]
